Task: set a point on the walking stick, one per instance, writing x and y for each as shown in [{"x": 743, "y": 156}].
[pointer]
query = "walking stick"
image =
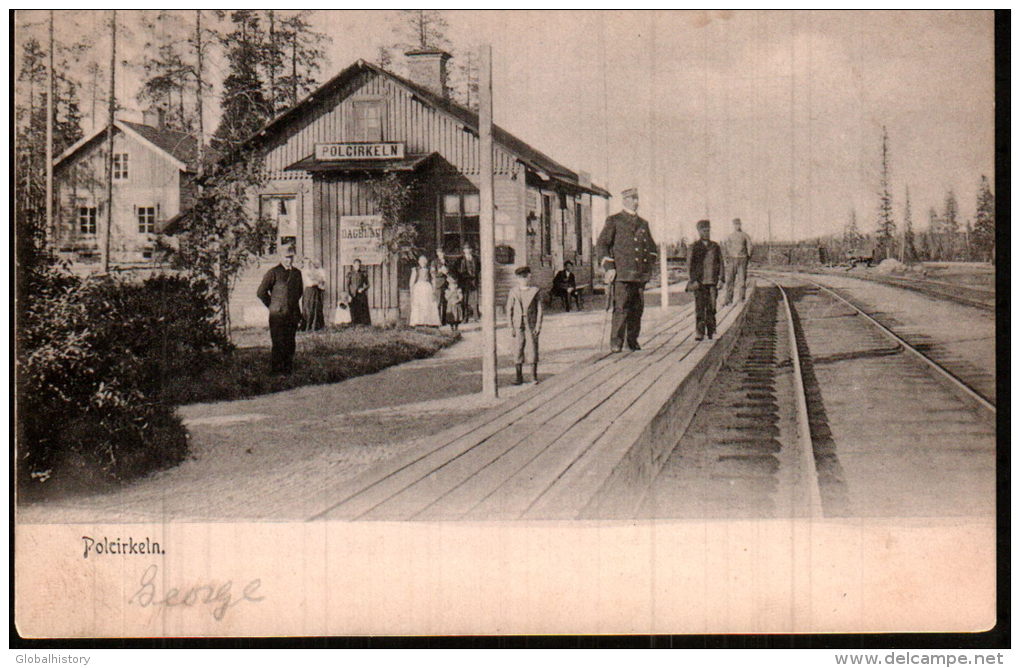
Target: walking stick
[{"x": 610, "y": 303}]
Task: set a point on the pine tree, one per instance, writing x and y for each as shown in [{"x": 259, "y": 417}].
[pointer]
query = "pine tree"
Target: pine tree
[
  {"x": 852, "y": 237},
  {"x": 984, "y": 223},
  {"x": 168, "y": 74},
  {"x": 909, "y": 252},
  {"x": 298, "y": 49},
  {"x": 925, "y": 251},
  {"x": 464, "y": 83},
  {"x": 885, "y": 230},
  {"x": 34, "y": 255},
  {"x": 935, "y": 234},
  {"x": 424, "y": 29},
  {"x": 968, "y": 241},
  {"x": 246, "y": 107},
  {"x": 30, "y": 149},
  {"x": 950, "y": 225}
]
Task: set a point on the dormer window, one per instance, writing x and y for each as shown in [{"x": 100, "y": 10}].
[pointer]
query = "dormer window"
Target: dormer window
[
  {"x": 120, "y": 166},
  {"x": 368, "y": 120}
]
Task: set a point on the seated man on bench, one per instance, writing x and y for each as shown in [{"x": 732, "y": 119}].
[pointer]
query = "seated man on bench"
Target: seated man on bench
[{"x": 565, "y": 286}]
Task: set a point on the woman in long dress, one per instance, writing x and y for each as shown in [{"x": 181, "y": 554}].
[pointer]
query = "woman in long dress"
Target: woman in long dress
[
  {"x": 314, "y": 280},
  {"x": 424, "y": 309},
  {"x": 357, "y": 288}
]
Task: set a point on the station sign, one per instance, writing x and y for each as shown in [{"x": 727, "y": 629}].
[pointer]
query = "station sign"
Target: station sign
[{"x": 360, "y": 151}]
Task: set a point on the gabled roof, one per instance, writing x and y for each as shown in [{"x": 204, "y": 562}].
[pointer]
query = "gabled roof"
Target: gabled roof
[
  {"x": 529, "y": 155},
  {"x": 178, "y": 147}
]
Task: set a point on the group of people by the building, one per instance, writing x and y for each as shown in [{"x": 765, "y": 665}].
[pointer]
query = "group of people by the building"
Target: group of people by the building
[
  {"x": 444, "y": 293},
  {"x": 295, "y": 301}
]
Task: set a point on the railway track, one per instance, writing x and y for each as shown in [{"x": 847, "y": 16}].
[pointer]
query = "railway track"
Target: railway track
[
  {"x": 824, "y": 410},
  {"x": 961, "y": 294}
]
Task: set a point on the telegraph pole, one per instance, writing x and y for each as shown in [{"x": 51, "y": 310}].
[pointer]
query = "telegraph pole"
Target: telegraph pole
[
  {"x": 487, "y": 223},
  {"x": 768, "y": 260}
]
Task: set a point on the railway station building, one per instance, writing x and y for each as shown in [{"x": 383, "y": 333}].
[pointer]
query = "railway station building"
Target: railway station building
[{"x": 327, "y": 156}]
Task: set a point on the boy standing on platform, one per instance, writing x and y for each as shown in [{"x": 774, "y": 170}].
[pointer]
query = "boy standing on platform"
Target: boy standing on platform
[
  {"x": 706, "y": 272},
  {"x": 524, "y": 315}
]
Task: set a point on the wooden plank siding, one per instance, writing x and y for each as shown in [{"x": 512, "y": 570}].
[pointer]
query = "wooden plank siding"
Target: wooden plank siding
[
  {"x": 153, "y": 181},
  {"x": 406, "y": 119},
  {"x": 424, "y": 129},
  {"x": 334, "y": 197}
]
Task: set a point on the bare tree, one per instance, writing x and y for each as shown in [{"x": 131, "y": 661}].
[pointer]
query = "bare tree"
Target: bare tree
[{"x": 109, "y": 141}]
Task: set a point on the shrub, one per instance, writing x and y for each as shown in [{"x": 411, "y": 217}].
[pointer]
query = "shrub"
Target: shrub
[{"x": 93, "y": 358}]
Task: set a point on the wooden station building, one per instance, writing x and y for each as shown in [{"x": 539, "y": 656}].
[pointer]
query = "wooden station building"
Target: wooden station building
[{"x": 324, "y": 155}]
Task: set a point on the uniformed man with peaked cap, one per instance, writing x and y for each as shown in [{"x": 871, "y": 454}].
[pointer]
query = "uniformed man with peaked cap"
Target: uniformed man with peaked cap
[{"x": 628, "y": 255}]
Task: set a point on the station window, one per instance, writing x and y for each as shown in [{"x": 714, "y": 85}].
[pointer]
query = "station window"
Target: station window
[
  {"x": 459, "y": 222},
  {"x": 120, "y": 166},
  {"x": 87, "y": 220},
  {"x": 546, "y": 225},
  {"x": 280, "y": 210},
  {"x": 368, "y": 120},
  {"x": 578, "y": 229},
  {"x": 146, "y": 219}
]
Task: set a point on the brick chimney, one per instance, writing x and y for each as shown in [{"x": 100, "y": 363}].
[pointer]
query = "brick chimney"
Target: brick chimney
[
  {"x": 427, "y": 67},
  {"x": 155, "y": 117}
]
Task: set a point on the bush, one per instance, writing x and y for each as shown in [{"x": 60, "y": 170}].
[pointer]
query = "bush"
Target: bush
[{"x": 94, "y": 356}]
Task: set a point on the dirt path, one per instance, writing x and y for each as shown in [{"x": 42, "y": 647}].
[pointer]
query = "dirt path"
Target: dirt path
[{"x": 277, "y": 457}]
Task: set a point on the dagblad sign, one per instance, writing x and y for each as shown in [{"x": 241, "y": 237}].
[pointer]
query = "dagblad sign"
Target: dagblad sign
[
  {"x": 360, "y": 151},
  {"x": 361, "y": 238}
]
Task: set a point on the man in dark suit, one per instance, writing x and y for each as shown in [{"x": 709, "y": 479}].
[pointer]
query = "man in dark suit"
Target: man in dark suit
[
  {"x": 628, "y": 255},
  {"x": 280, "y": 291},
  {"x": 468, "y": 269},
  {"x": 565, "y": 285},
  {"x": 706, "y": 272}
]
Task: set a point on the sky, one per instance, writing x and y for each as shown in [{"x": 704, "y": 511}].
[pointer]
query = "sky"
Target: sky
[{"x": 762, "y": 115}]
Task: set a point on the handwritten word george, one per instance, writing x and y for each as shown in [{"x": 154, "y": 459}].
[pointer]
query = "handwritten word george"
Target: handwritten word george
[{"x": 219, "y": 596}]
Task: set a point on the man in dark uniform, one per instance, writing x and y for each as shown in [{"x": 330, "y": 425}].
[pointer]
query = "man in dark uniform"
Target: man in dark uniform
[
  {"x": 628, "y": 257},
  {"x": 280, "y": 291},
  {"x": 705, "y": 269},
  {"x": 467, "y": 270}
]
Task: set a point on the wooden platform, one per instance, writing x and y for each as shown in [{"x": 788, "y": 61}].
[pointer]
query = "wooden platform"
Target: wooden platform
[{"x": 585, "y": 444}]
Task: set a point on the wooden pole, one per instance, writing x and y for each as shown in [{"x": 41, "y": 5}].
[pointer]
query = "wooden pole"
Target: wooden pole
[
  {"x": 107, "y": 229},
  {"x": 486, "y": 221},
  {"x": 657, "y": 170},
  {"x": 50, "y": 111},
  {"x": 199, "y": 92}
]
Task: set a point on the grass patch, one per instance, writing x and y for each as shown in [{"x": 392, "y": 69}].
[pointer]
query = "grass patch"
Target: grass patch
[{"x": 327, "y": 356}]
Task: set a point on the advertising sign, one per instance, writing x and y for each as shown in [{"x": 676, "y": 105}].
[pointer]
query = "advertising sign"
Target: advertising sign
[{"x": 361, "y": 238}]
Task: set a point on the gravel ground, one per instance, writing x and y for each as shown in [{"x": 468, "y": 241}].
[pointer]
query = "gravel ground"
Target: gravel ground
[{"x": 277, "y": 457}]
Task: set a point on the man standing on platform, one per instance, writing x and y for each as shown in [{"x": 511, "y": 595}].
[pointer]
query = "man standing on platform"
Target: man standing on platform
[
  {"x": 280, "y": 291},
  {"x": 737, "y": 248},
  {"x": 468, "y": 269},
  {"x": 628, "y": 257},
  {"x": 705, "y": 269}
]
